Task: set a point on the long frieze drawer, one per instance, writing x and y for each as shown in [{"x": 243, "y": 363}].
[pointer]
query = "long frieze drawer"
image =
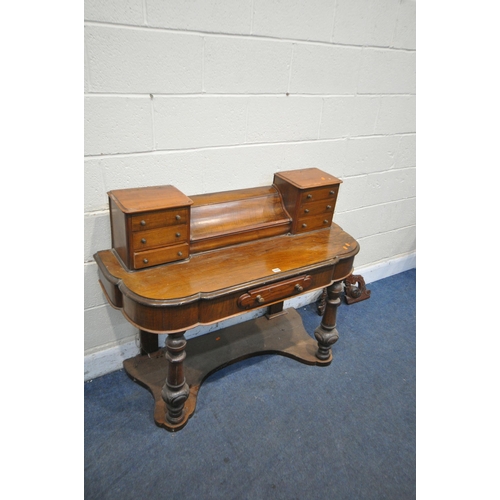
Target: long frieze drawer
[
  {"x": 160, "y": 256},
  {"x": 312, "y": 195},
  {"x": 143, "y": 240},
  {"x": 161, "y": 218},
  {"x": 276, "y": 291},
  {"x": 319, "y": 207},
  {"x": 315, "y": 222}
]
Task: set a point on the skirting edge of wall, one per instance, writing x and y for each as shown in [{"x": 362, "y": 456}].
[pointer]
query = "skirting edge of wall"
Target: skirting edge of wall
[{"x": 109, "y": 360}]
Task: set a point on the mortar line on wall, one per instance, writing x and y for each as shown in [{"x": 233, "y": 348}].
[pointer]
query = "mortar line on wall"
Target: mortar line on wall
[
  {"x": 388, "y": 231},
  {"x": 203, "y": 67},
  {"x": 378, "y": 113},
  {"x": 241, "y": 35},
  {"x": 145, "y": 12},
  {"x": 395, "y": 24},
  {"x": 102, "y": 173},
  {"x": 333, "y": 21},
  {"x": 212, "y": 94},
  {"x": 378, "y": 172},
  {"x": 397, "y": 152},
  {"x": 246, "y": 120},
  {"x": 235, "y": 146},
  {"x": 251, "y": 16},
  {"x": 321, "y": 117},
  {"x": 290, "y": 71},
  {"x": 360, "y": 64},
  {"x": 87, "y": 66},
  {"x": 153, "y": 131},
  {"x": 373, "y": 205}
]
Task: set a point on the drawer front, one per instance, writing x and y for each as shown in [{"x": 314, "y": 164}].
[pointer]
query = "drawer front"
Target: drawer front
[
  {"x": 150, "y": 258},
  {"x": 143, "y": 240},
  {"x": 151, "y": 220},
  {"x": 315, "y": 222},
  {"x": 317, "y": 208},
  {"x": 277, "y": 291},
  {"x": 313, "y": 195}
]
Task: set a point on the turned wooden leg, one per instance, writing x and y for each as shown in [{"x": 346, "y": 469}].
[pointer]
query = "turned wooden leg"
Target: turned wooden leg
[
  {"x": 175, "y": 391},
  {"x": 326, "y": 334}
]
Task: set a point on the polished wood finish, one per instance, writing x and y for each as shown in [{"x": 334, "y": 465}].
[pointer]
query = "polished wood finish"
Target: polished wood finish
[
  {"x": 149, "y": 226},
  {"x": 175, "y": 391},
  {"x": 207, "y": 287},
  {"x": 309, "y": 196},
  {"x": 326, "y": 334},
  {"x": 228, "y": 218},
  {"x": 147, "y": 199},
  {"x": 277, "y": 291},
  {"x": 355, "y": 289},
  {"x": 179, "y": 262},
  {"x": 284, "y": 335}
]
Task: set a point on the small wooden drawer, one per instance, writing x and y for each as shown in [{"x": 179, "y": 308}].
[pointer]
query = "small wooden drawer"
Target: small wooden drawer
[
  {"x": 161, "y": 256},
  {"x": 259, "y": 297},
  {"x": 316, "y": 208},
  {"x": 143, "y": 240},
  {"x": 313, "y": 195},
  {"x": 315, "y": 222},
  {"x": 161, "y": 218}
]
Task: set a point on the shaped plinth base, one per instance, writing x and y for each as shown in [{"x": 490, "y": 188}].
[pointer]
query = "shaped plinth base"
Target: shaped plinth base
[{"x": 284, "y": 334}]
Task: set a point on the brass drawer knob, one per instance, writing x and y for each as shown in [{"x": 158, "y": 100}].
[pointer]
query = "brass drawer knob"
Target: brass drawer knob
[
  {"x": 304, "y": 225},
  {"x": 178, "y": 235},
  {"x": 177, "y": 217},
  {"x": 260, "y": 299},
  {"x": 143, "y": 222},
  {"x": 179, "y": 254},
  {"x": 143, "y": 240},
  {"x": 306, "y": 210},
  {"x": 299, "y": 288},
  {"x": 145, "y": 261}
]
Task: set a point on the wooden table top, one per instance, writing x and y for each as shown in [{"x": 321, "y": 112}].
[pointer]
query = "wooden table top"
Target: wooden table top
[{"x": 233, "y": 267}]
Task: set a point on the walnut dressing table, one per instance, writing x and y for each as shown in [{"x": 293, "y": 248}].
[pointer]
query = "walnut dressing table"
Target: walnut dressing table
[{"x": 177, "y": 262}]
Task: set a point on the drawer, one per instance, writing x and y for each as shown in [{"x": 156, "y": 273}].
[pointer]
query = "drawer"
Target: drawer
[
  {"x": 315, "y": 222},
  {"x": 259, "y": 297},
  {"x": 161, "y": 218},
  {"x": 317, "y": 208},
  {"x": 143, "y": 240},
  {"x": 160, "y": 256},
  {"x": 312, "y": 195}
]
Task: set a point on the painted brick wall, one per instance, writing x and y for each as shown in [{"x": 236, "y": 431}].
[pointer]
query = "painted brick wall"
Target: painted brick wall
[{"x": 213, "y": 95}]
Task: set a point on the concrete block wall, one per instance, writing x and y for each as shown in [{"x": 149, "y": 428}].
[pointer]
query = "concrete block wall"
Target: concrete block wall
[{"x": 213, "y": 95}]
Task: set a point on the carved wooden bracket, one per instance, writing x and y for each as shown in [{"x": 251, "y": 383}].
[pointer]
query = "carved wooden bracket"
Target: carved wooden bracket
[{"x": 355, "y": 289}]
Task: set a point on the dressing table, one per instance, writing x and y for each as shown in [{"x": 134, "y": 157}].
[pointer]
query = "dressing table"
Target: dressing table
[{"x": 180, "y": 261}]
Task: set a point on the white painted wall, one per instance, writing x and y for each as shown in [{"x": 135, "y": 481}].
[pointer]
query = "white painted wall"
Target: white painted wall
[{"x": 216, "y": 95}]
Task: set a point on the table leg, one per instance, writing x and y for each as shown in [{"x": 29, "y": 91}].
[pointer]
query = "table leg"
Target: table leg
[
  {"x": 175, "y": 391},
  {"x": 326, "y": 334},
  {"x": 149, "y": 342}
]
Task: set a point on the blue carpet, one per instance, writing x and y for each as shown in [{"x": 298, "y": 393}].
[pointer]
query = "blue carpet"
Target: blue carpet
[{"x": 270, "y": 427}]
